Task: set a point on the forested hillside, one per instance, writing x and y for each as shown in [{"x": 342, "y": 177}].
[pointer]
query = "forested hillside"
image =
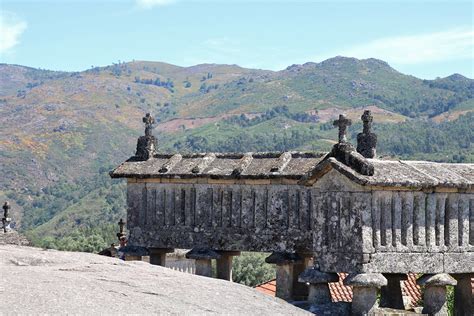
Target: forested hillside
[{"x": 61, "y": 132}]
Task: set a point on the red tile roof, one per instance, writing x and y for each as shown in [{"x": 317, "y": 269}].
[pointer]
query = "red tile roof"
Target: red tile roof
[
  {"x": 411, "y": 289},
  {"x": 267, "y": 287},
  {"x": 343, "y": 293},
  {"x": 339, "y": 291}
]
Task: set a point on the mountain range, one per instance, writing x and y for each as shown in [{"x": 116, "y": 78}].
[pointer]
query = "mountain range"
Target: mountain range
[{"x": 61, "y": 132}]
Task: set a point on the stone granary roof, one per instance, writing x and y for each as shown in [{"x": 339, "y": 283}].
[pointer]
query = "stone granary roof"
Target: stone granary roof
[{"x": 305, "y": 167}]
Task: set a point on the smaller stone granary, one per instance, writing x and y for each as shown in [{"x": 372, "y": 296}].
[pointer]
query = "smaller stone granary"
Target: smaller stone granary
[{"x": 351, "y": 212}]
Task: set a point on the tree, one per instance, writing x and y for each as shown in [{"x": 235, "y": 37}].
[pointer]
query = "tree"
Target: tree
[{"x": 251, "y": 269}]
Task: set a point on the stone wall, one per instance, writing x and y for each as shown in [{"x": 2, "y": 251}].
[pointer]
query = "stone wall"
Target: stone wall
[
  {"x": 221, "y": 217},
  {"x": 403, "y": 231}
]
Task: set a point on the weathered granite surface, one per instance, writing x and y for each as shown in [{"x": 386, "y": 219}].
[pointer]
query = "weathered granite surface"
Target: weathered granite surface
[
  {"x": 305, "y": 167},
  {"x": 35, "y": 281}
]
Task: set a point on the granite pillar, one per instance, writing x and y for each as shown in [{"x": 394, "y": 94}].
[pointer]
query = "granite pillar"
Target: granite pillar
[
  {"x": 224, "y": 264},
  {"x": 300, "y": 290},
  {"x": 158, "y": 255},
  {"x": 391, "y": 294},
  {"x": 203, "y": 260},
  {"x": 463, "y": 295},
  {"x": 365, "y": 288},
  {"x": 318, "y": 285},
  {"x": 285, "y": 262},
  {"x": 132, "y": 253},
  {"x": 132, "y": 258},
  {"x": 434, "y": 295}
]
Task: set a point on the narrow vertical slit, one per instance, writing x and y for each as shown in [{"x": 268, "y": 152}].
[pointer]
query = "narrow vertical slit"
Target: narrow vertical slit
[
  {"x": 447, "y": 223},
  {"x": 183, "y": 206},
  {"x": 164, "y": 207},
  {"x": 289, "y": 210},
  {"x": 194, "y": 196},
  {"x": 145, "y": 205},
  {"x": 174, "y": 206},
  {"x": 231, "y": 196},
  {"x": 298, "y": 205},
  {"x": 241, "y": 204},
  {"x": 221, "y": 197},
  {"x": 310, "y": 209},
  {"x": 383, "y": 232},
  {"x": 265, "y": 208},
  {"x": 212, "y": 211},
  {"x": 254, "y": 208}
]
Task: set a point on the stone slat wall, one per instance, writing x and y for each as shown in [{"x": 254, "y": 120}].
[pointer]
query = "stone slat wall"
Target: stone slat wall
[
  {"x": 222, "y": 207},
  {"x": 421, "y": 222},
  {"x": 358, "y": 230},
  {"x": 279, "y": 213}
]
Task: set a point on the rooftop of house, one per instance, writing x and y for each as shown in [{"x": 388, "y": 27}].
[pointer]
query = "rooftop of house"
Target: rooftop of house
[{"x": 343, "y": 293}]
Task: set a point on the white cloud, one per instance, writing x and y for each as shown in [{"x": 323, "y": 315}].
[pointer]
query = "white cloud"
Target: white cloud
[
  {"x": 421, "y": 48},
  {"x": 148, "y": 4},
  {"x": 11, "y": 29}
]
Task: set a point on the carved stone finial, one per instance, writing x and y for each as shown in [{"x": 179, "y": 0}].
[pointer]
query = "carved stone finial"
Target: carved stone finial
[
  {"x": 6, "y": 217},
  {"x": 6, "y": 208},
  {"x": 149, "y": 122},
  {"x": 343, "y": 122},
  {"x": 367, "y": 119},
  {"x": 121, "y": 225},
  {"x": 120, "y": 234},
  {"x": 147, "y": 145},
  {"x": 367, "y": 141}
]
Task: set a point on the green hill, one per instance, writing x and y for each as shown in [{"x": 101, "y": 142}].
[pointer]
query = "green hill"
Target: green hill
[{"x": 60, "y": 132}]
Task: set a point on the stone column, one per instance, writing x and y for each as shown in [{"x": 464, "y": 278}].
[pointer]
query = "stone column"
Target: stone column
[
  {"x": 132, "y": 258},
  {"x": 463, "y": 295},
  {"x": 318, "y": 285},
  {"x": 285, "y": 262},
  {"x": 434, "y": 295},
  {"x": 203, "y": 260},
  {"x": 300, "y": 290},
  {"x": 224, "y": 264},
  {"x": 158, "y": 255},
  {"x": 132, "y": 253},
  {"x": 364, "y": 288},
  {"x": 391, "y": 295}
]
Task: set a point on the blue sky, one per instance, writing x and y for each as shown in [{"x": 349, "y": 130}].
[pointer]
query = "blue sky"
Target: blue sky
[{"x": 426, "y": 39}]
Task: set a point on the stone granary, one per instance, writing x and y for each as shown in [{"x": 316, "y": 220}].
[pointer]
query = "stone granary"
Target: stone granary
[{"x": 351, "y": 212}]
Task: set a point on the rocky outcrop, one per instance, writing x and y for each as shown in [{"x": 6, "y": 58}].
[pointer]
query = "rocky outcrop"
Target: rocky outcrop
[
  {"x": 13, "y": 238},
  {"x": 80, "y": 283}
]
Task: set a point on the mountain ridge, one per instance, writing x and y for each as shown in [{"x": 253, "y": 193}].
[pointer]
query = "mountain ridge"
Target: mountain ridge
[{"x": 310, "y": 63}]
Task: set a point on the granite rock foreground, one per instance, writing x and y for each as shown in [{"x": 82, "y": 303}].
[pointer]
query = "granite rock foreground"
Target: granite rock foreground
[{"x": 39, "y": 281}]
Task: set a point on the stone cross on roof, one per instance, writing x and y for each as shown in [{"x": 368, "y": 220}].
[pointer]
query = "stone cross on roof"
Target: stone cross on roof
[
  {"x": 343, "y": 122},
  {"x": 149, "y": 121}
]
